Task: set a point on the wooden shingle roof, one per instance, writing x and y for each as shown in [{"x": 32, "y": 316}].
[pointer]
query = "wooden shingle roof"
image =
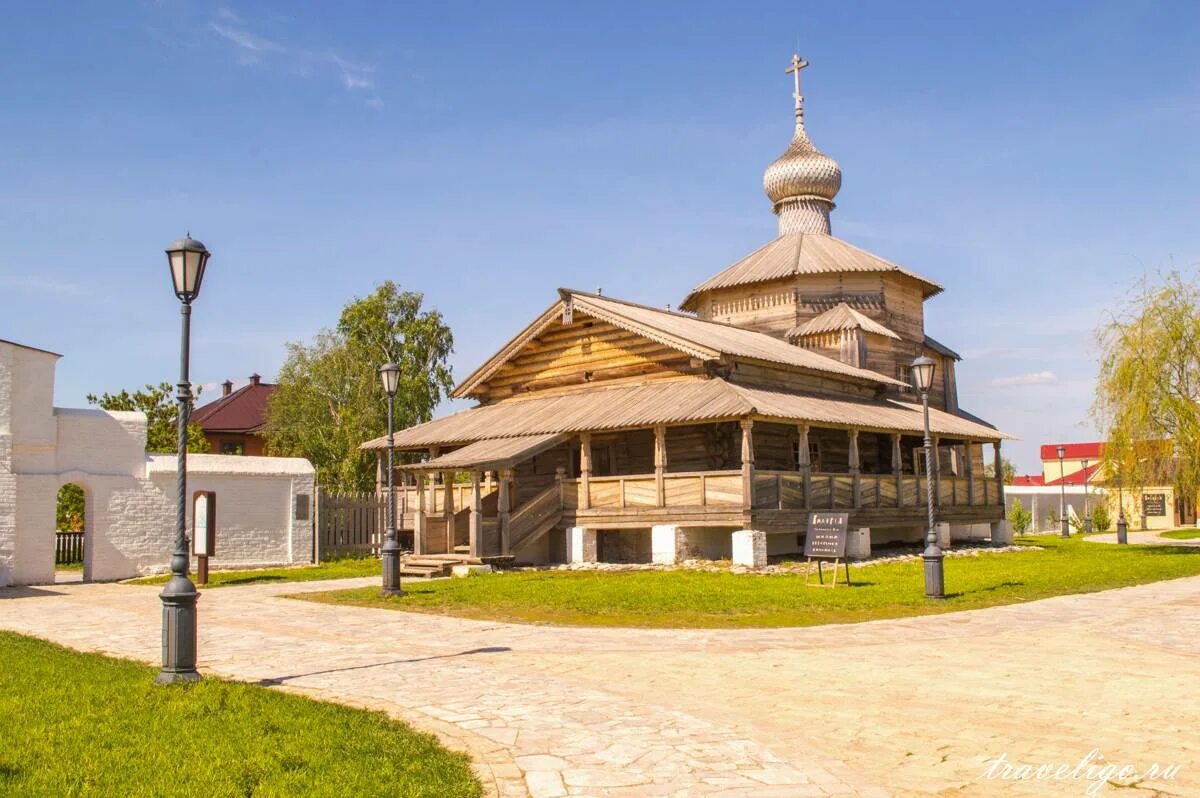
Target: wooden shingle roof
[
  {"x": 802, "y": 253},
  {"x": 837, "y": 318},
  {"x": 676, "y": 402},
  {"x": 705, "y": 340}
]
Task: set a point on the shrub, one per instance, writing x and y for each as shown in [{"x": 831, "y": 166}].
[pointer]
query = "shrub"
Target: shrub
[
  {"x": 1101, "y": 520},
  {"x": 1019, "y": 517}
]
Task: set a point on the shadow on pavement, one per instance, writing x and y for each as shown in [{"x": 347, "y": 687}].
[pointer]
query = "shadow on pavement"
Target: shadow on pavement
[{"x": 278, "y": 680}]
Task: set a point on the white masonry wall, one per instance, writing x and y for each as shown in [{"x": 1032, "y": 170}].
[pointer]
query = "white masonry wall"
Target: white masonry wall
[{"x": 129, "y": 496}]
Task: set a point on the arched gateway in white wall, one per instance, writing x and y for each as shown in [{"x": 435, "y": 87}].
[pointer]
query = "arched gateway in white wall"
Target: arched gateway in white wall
[{"x": 129, "y": 495}]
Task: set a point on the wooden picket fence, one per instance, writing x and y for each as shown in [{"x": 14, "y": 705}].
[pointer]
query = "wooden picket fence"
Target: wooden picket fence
[
  {"x": 68, "y": 548},
  {"x": 349, "y": 523}
]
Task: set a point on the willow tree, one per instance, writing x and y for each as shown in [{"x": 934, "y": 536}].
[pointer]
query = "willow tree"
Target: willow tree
[
  {"x": 1149, "y": 386},
  {"x": 329, "y": 399}
]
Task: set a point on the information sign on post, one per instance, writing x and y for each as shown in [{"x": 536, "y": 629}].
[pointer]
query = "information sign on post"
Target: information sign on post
[
  {"x": 826, "y": 540},
  {"x": 204, "y": 531}
]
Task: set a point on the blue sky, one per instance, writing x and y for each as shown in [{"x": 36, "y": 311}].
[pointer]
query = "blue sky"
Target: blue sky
[{"x": 1034, "y": 158}]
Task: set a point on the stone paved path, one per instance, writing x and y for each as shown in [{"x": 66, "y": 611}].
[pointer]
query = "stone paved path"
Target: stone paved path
[
  {"x": 1149, "y": 538},
  {"x": 906, "y": 707}
]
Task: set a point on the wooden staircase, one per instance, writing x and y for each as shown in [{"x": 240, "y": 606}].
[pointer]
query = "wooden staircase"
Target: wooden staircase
[
  {"x": 434, "y": 565},
  {"x": 535, "y": 518}
]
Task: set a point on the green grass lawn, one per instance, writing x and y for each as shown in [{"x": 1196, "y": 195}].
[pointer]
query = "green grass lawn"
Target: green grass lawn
[
  {"x": 330, "y": 569},
  {"x": 82, "y": 724},
  {"x": 684, "y": 598},
  {"x": 1181, "y": 534}
]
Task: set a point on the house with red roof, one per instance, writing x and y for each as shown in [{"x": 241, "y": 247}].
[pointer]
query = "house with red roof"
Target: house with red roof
[{"x": 234, "y": 423}]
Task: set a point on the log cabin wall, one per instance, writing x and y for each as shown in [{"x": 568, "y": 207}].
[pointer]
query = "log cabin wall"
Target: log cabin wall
[
  {"x": 583, "y": 353},
  {"x": 765, "y": 375}
]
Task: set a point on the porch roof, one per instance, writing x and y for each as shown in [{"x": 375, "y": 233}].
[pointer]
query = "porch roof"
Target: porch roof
[
  {"x": 491, "y": 453},
  {"x": 677, "y": 402}
]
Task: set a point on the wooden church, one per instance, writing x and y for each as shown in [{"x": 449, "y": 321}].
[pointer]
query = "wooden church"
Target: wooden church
[{"x": 611, "y": 431}]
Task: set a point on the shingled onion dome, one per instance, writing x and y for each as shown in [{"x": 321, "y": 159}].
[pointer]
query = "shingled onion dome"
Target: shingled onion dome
[{"x": 802, "y": 182}]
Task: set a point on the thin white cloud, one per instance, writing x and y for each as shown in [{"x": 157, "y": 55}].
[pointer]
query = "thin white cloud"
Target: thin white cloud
[
  {"x": 246, "y": 40},
  {"x": 354, "y": 76},
  {"x": 375, "y": 103},
  {"x": 1032, "y": 378},
  {"x": 32, "y": 284}
]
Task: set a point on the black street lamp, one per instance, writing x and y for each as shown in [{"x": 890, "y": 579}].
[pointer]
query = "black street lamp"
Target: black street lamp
[
  {"x": 1087, "y": 502},
  {"x": 1062, "y": 498},
  {"x": 389, "y": 375},
  {"x": 187, "y": 259},
  {"x": 935, "y": 582},
  {"x": 1122, "y": 524}
]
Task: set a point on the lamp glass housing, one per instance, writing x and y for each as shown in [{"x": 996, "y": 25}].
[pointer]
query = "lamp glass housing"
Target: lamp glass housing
[
  {"x": 922, "y": 373},
  {"x": 389, "y": 375},
  {"x": 1062, "y": 452},
  {"x": 187, "y": 259}
]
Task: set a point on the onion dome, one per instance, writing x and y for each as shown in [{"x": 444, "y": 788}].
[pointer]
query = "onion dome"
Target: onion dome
[{"x": 802, "y": 182}]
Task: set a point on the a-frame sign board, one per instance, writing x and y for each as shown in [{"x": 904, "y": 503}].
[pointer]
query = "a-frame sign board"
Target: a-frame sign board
[{"x": 826, "y": 540}]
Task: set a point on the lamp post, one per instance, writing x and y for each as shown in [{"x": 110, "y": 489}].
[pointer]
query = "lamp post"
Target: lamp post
[
  {"x": 1122, "y": 524},
  {"x": 935, "y": 582},
  {"x": 186, "y": 259},
  {"x": 389, "y": 375},
  {"x": 1087, "y": 503},
  {"x": 1062, "y": 494}
]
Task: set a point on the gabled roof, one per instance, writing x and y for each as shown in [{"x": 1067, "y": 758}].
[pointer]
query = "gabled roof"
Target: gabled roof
[
  {"x": 705, "y": 340},
  {"x": 941, "y": 349},
  {"x": 242, "y": 411},
  {"x": 837, "y": 318},
  {"x": 681, "y": 401},
  {"x": 491, "y": 453},
  {"x": 802, "y": 253}
]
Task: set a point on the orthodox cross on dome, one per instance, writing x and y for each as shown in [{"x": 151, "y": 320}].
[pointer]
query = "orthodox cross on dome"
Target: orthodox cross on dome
[{"x": 798, "y": 63}]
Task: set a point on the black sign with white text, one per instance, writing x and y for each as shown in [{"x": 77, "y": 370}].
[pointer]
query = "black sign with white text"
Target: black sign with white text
[
  {"x": 1155, "y": 503},
  {"x": 826, "y": 535}
]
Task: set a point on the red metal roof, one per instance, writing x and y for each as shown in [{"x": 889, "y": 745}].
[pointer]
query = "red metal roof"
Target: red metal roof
[
  {"x": 244, "y": 410},
  {"x": 1074, "y": 451},
  {"x": 1078, "y": 477},
  {"x": 1029, "y": 479}
]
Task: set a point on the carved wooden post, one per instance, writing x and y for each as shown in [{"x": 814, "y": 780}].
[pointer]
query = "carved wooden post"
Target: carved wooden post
[
  {"x": 747, "y": 463},
  {"x": 448, "y": 508},
  {"x": 804, "y": 462},
  {"x": 473, "y": 537},
  {"x": 970, "y": 447},
  {"x": 660, "y": 465},
  {"x": 898, "y": 468},
  {"x": 585, "y": 470},
  {"x": 487, "y": 481},
  {"x": 419, "y": 516},
  {"x": 503, "y": 502},
  {"x": 999, "y": 472},
  {"x": 855, "y": 470}
]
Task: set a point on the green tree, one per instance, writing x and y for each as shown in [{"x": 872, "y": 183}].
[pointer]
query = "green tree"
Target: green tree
[
  {"x": 1019, "y": 517},
  {"x": 329, "y": 400},
  {"x": 1101, "y": 520},
  {"x": 1149, "y": 386},
  {"x": 1006, "y": 466},
  {"x": 69, "y": 515},
  {"x": 162, "y": 417}
]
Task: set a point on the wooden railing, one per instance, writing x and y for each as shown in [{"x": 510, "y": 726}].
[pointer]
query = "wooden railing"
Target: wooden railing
[
  {"x": 785, "y": 490},
  {"x": 683, "y": 489},
  {"x": 435, "y": 497},
  {"x": 350, "y": 523},
  {"x": 533, "y": 516},
  {"x": 68, "y": 548}
]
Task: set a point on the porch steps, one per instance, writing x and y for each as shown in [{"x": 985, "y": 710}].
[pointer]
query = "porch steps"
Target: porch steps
[{"x": 430, "y": 565}]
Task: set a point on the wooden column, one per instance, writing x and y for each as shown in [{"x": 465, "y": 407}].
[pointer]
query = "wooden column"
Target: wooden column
[
  {"x": 970, "y": 446},
  {"x": 474, "y": 540},
  {"x": 448, "y": 508},
  {"x": 804, "y": 463},
  {"x": 380, "y": 482},
  {"x": 747, "y": 463},
  {"x": 585, "y": 470},
  {"x": 503, "y": 502},
  {"x": 660, "y": 465},
  {"x": 898, "y": 468},
  {"x": 487, "y": 481},
  {"x": 419, "y": 516},
  {"x": 855, "y": 470},
  {"x": 999, "y": 472}
]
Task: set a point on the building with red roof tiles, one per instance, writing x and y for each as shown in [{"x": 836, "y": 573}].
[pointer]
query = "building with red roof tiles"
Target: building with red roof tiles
[{"x": 234, "y": 423}]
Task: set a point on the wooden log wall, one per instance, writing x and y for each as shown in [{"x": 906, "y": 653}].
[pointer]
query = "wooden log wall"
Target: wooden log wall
[{"x": 584, "y": 352}]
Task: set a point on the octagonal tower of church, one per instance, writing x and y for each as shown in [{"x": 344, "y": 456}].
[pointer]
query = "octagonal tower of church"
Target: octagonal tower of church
[{"x": 815, "y": 290}]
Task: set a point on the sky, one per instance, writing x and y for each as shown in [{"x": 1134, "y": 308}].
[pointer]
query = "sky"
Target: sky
[{"x": 1036, "y": 159}]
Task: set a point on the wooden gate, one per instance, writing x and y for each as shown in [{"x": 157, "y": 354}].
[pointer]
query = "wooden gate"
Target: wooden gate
[{"x": 350, "y": 523}]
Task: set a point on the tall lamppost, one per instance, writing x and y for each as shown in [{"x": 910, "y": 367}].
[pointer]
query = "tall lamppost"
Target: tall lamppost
[
  {"x": 1122, "y": 524},
  {"x": 186, "y": 258},
  {"x": 1062, "y": 493},
  {"x": 1087, "y": 502},
  {"x": 935, "y": 583},
  {"x": 389, "y": 375}
]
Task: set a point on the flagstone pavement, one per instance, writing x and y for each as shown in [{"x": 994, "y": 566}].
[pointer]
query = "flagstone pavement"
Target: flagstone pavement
[{"x": 903, "y": 707}]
